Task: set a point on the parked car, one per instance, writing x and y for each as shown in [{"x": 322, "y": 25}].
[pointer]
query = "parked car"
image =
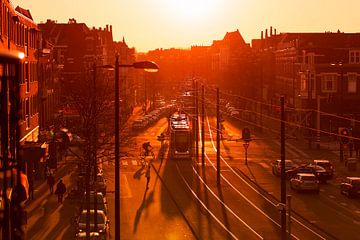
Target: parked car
[
  {"x": 93, "y": 236},
  {"x": 305, "y": 182},
  {"x": 102, "y": 222},
  {"x": 321, "y": 174},
  {"x": 100, "y": 184},
  {"x": 326, "y": 164},
  {"x": 350, "y": 187},
  {"x": 276, "y": 166},
  {"x": 100, "y": 202},
  {"x": 138, "y": 124}
]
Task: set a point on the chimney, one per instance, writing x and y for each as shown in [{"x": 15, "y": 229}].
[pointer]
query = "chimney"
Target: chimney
[
  {"x": 111, "y": 28},
  {"x": 107, "y": 27},
  {"x": 262, "y": 35},
  {"x": 266, "y": 33},
  {"x": 271, "y": 31},
  {"x": 274, "y": 31}
]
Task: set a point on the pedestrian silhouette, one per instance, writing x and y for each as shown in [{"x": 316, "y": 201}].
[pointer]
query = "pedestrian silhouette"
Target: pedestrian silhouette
[
  {"x": 147, "y": 174},
  {"x": 31, "y": 188},
  {"x": 51, "y": 181},
  {"x": 60, "y": 190}
]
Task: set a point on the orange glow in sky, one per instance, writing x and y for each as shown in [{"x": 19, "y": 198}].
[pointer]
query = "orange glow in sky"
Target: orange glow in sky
[{"x": 151, "y": 24}]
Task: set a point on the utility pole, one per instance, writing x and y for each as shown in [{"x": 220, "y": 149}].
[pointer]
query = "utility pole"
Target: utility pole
[
  {"x": 218, "y": 135},
  {"x": 117, "y": 146},
  {"x": 318, "y": 122},
  {"x": 310, "y": 108},
  {"x": 202, "y": 125},
  {"x": 197, "y": 121},
  {"x": 283, "y": 180},
  {"x": 94, "y": 142},
  {"x": 289, "y": 215}
]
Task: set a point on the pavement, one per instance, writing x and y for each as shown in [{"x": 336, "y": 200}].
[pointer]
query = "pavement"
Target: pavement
[{"x": 48, "y": 219}]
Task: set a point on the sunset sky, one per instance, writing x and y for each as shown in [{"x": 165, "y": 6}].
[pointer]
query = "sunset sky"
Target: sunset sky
[{"x": 151, "y": 24}]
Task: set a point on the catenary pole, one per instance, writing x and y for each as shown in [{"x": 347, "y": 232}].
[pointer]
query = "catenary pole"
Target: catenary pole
[
  {"x": 283, "y": 181},
  {"x": 202, "y": 125},
  {"x": 117, "y": 146},
  {"x": 217, "y": 135}
]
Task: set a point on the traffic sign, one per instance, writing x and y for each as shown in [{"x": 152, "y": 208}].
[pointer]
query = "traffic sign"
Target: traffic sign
[
  {"x": 345, "y": 133},
  {"x": 246, "y": 135}
]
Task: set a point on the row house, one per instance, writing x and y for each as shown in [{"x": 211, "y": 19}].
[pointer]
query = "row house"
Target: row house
[
  {"x": 313, "y": 70},
  {"x": 74, "y": 50},
  {"x": 129, "y": 77},
  {"x": 230, "y": 63},
  {"x": 19, "y": 32}
]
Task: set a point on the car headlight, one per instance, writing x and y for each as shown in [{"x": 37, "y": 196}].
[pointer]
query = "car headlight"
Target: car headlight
[{"x": 101, "y": 230}]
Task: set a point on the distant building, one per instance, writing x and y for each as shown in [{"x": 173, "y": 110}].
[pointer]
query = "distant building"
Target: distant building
[
  {"x": 308, "y": 66},
  {"x": 230, "y": 58}
]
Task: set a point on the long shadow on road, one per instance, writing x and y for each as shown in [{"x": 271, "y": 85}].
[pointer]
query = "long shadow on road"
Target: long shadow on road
[{"x": 144, "y": 204}]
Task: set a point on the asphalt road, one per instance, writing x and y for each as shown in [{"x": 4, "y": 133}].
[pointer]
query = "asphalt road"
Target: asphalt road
[{"x": 185, "y": 200}]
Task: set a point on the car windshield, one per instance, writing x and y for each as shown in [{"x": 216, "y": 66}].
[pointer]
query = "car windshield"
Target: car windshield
[
  {"x": 100, "y": 217},
  {"x": 308, "y": 178},
  {"x": 324, "y": 164},
  {"x": 356, "y": 183}
]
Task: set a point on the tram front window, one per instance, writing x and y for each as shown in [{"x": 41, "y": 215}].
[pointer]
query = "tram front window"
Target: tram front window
[{"x": 182, "y": 141}]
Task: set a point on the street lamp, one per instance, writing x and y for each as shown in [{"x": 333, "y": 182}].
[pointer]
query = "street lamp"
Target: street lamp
[{"x": 149, "y": 67}]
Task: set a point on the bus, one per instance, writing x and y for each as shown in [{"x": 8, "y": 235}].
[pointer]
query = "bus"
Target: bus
[{"x": 180, "y": 136}]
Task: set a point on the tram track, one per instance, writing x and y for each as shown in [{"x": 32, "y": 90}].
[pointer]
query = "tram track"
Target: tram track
[{"x": 261, "y": 192}]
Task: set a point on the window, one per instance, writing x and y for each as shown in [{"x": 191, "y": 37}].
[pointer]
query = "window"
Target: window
[
  {"x": 27, "y": 112},
  {"x": 328, "y": 83},
  {"x": 354, "y": 56},
  {"x": 26, "y": 77},
  {"x": 352, "y": 80},
  {"x": 303, "y": 82}
]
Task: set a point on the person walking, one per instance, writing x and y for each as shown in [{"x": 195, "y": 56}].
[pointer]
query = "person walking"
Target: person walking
[
  {"x": 51, "y": 181},
  {"x": 60, "y": 190},
  {"x": 147, "y": 174},
  {"x": 31, "y": 188}
]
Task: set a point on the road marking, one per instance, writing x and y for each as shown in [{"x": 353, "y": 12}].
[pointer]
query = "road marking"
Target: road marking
[
  {"x": 124, "y": 162},
  {"x": 313, "y": 221},
  {"x": 322, "y": 190},
  {"x": 332, "y": 196},
  {"x": 125, "y": 191},
  {"x": 358, "y": 212},
  {"x": 356, "y": 222},
  {"x": 264, "y": 165},
  {"x": 343, "y": 203}
]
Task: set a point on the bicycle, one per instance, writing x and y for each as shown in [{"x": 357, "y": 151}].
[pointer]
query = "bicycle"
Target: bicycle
[{"x": 144, "y": 158}]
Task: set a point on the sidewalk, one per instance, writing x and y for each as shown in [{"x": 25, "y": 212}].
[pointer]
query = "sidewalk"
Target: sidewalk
[{"x": 41, "y": 189}]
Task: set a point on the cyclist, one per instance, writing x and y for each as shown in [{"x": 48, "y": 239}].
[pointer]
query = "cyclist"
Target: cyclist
[{"x": 147, "y": 148}]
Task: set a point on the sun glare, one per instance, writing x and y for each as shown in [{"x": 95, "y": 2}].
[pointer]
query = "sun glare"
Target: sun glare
[{"x": 191, "y": 9}]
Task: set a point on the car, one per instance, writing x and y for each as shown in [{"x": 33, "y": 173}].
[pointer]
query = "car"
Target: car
[
  {"x": 325, "y": 164},
  {"x": 100, "y": 184},
  {"x": 101, "y": 202},
  {"x": 93, "y": 235},
  {"x": 350, "y": 187},
  {"x": 138, "y": 124},
  {"x": 276, "y": 166},
  {"x": 102, "y": 222},
  {"x": 320, "y": 173},
  {"x": 305, "y": 182}
]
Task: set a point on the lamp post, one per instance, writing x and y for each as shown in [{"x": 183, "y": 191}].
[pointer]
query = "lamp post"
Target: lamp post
[{"x": 149, "y": 67}]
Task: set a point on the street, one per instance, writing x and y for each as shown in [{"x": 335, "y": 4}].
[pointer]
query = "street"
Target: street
[{"x": 184, "y": 200}]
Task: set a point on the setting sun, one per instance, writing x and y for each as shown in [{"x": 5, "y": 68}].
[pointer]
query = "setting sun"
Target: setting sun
[{"x": 190, "y": 10}]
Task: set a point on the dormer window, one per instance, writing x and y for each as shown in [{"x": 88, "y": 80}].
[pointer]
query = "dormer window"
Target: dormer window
[{"x": 354, "y": 56}]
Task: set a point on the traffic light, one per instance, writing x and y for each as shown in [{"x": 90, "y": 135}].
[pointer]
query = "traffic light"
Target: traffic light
[
  {"x": 345, "y": 133},
  {"x": 246, "y": 135}
]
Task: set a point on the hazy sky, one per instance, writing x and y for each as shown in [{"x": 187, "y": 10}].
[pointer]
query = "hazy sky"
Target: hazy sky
[{"x": 151, "y": 24}]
